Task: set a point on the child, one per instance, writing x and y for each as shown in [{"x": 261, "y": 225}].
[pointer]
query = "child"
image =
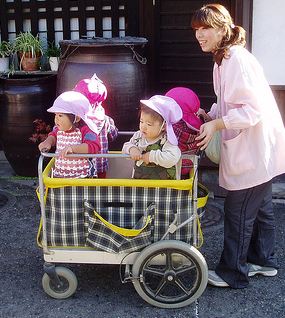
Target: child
[
  {"x": 73, "y": 133},
  {"x": 96, "y": 92},
  {"x": 154, "y": 147},
  {"x": 187, "y": 129}
]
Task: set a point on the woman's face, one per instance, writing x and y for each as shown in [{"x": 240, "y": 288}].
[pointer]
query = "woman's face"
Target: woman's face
[
  {"x": 150, "y": 128},
  {"x": 62, "y": 122},
  {"x": 209, "y": 38}
]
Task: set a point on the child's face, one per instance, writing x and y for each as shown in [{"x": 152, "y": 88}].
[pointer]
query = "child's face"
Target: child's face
[
  {"x": 150, "y": 128},
  {"x": 62, "y": 121}
]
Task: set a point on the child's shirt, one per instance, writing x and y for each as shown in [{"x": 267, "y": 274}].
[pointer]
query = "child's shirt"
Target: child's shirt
[
  {"x": 109, "y": 132},
  {"x": 186, "y": 142},
  {"x": 162, "y": 154},
  {"x": 74, "y": 167}
]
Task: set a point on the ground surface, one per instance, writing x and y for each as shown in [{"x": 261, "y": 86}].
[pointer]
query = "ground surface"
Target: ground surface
[{"x": 100, "y": 292}]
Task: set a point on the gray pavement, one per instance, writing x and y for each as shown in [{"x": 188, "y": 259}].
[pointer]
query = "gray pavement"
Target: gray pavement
[{"x": 100, "y": 292}]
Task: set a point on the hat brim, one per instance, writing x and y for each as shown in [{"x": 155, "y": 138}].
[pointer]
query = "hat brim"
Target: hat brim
[{"x": 57, "y": 109}]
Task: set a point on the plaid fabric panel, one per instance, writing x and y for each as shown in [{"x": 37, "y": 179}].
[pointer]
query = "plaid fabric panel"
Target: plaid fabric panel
[
  {"x": 121, "y": 206},
  {"x": 66, "y": 223},
  {"x": 103, "y": 238}
]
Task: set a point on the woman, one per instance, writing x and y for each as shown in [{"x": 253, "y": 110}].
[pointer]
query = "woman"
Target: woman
[{"x": 252, "y": 138}]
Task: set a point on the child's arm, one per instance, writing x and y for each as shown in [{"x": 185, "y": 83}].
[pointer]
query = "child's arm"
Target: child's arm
[
  {"x": 167, "y": 157},
  {"x": 112, "y": 129},
  {"x": 131, "y": 148},
  {"x": 90, "y": 143},
  {"x": 47, "y": 144}
]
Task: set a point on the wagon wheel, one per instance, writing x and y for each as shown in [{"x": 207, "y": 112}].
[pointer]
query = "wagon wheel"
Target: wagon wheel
[
  {"x": 67, "y": 286},
  {"x": 170, "y": 274}
]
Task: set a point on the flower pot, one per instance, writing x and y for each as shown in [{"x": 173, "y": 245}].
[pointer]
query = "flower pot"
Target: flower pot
[
  {"x": 4, "y": 64},
  {"x": 30, "y": 64},
  {"x": 24, "y": 121},
  {"x": 53, "y": 63}
]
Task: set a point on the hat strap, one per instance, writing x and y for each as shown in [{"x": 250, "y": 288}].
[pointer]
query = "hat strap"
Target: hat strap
[{"x": 160, "y": 130}]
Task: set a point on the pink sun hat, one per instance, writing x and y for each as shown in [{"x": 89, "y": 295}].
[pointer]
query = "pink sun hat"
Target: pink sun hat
[
  {"x": 93, "y": 88},
  {"x": 169, "y": 110},
  {"x": 189, "y": 103},
  {"x": 75, "y": 103}
]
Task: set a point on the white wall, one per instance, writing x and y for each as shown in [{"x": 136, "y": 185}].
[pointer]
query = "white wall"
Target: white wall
[{"x": 268, "y": 38}]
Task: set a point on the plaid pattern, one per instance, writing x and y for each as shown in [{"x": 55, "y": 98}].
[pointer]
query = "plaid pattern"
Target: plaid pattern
[
  {"x": 103, "y": 238},
  {"x": 68, "y": 222},
  {"x": 108, "y": 133},
  {"x": 186, "y": 137},
  {"x": 186, "y": 143}
]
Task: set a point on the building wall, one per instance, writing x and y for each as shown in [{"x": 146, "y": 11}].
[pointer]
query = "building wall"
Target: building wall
[{"x": 268, "y": 37}]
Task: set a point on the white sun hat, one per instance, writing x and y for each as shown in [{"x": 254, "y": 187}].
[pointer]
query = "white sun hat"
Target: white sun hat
[
  {"x": 169, "y": 110},
  {"x": 75, "y": 103}
]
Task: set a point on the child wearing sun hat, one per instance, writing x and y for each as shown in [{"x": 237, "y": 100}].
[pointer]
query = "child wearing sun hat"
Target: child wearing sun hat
[
  {"x": 96, "y": 92},
  {"x": 154, "y": 148},
  {"x": 187, "y": 129},
  {"x": 74, "y": 132}
]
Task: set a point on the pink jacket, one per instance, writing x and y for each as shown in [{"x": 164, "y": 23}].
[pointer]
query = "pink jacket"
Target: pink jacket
[{"x": 252, "y": 150}]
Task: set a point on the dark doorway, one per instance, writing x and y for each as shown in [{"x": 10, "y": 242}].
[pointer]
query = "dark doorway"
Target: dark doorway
[{"x": 175, "y": 57}]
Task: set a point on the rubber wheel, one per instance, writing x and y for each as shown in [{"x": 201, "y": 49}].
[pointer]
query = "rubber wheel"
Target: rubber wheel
[
  {"x": 68, "y": 284},
  {"x": 170, "y": 274}
]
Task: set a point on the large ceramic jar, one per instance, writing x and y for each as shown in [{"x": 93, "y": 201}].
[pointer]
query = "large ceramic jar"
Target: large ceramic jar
[
  {"x": 24, "y": 121},
  {"x": 119, "y": 63}
]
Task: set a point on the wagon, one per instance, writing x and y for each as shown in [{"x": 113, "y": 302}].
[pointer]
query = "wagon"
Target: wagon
[{"x": 150, "y": 228}]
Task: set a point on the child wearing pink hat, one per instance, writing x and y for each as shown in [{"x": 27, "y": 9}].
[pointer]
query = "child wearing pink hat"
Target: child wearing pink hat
[
  {"x": 187, "y": 129},
  {"x": 74, "y": 132},
  {"x": 96, "y": 92},
  {"x": 154, "y": 148}
]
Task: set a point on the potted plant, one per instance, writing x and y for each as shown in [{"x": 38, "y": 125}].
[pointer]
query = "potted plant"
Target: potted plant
[
  {"x": 30, "y": 50},
  {"x": 53, "y": 54},
  {"x": 6, "y": 49}
]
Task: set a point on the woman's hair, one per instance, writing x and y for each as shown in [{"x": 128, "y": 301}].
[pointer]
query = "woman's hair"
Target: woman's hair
[
  {"x": 151, "y": 112},
  {"x": 217, "y": 16}
]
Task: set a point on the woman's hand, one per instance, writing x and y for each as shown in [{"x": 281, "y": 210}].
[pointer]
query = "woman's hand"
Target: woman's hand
[
  {"x": 201, "y": 113},
  {"x": 135, "y": 154},
  {"x": 207, "y": 131}
]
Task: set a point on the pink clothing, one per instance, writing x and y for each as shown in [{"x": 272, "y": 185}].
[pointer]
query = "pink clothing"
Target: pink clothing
[
  {"x": 252, "y": 150},
  {"x": 74, "y": 167}
]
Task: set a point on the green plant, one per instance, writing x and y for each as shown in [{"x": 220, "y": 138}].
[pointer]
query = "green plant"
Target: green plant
[
  {"x": 53, "y": 50},
  {"x": 27, "y": 44},
  {"x": 6, "y": 49}
]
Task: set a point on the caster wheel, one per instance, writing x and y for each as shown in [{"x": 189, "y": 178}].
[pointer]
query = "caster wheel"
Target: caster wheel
[{"x": 67, "y": 286}]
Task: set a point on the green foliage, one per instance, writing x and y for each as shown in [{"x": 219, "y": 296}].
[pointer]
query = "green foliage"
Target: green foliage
[
  {"x": 27, "y": 43},
  {"x": 6, "y": 49},
  {"x": 53, "y": 50}
]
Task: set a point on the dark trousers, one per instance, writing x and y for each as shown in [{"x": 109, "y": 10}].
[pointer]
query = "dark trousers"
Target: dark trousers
[{"x": 249, "y": 233}]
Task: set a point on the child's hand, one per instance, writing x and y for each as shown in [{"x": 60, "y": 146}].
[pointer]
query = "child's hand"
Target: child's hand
[
  {"x": 135, "y": 154},
  {"x": 44, "y": 146},
  {"x": 66, "y": 151},
  {"x": 145, "y": 158}
]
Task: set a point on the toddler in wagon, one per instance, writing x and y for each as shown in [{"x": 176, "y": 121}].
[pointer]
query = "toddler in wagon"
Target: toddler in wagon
[
  {"x": 154, "y": 147},
  {"x": 187, "y": 129},
  {"x": 74, "y": 132},
  {"x": 96, "y": 92}
]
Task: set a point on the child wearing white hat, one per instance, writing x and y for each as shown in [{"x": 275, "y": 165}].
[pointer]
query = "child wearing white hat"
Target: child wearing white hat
[
  {"x": 74, "y": 132},
  {"x": 154, "y": 148},
  {"x": 96, "y": 92}
]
